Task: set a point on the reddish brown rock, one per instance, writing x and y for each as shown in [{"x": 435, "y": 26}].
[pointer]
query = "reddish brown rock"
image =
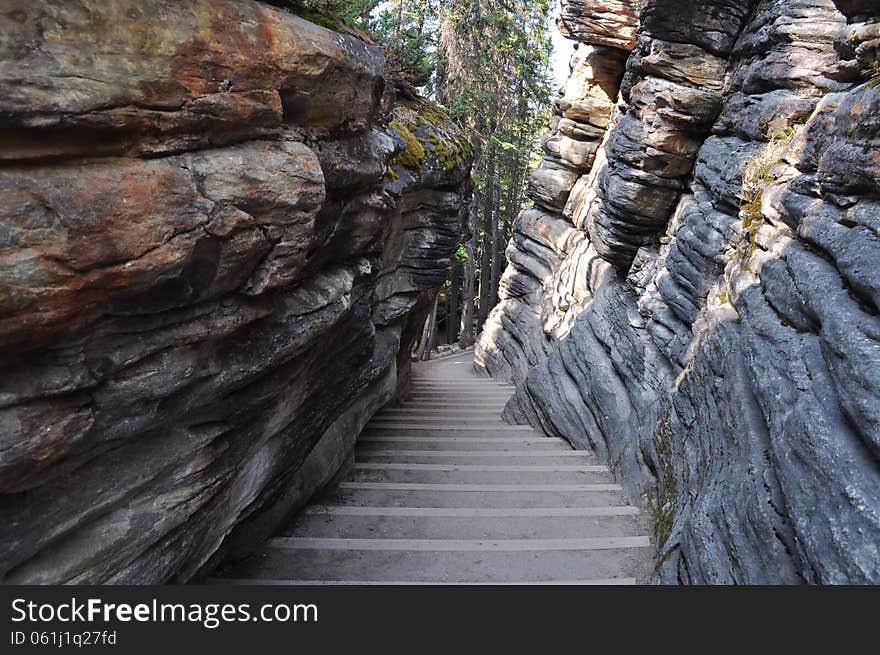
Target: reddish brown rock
[
  {"x": 168, "y": 232},
  {"x": 134, "y": 77},
  {"x": 611, "y": 23},
  {"x": 209, "y": 282}
]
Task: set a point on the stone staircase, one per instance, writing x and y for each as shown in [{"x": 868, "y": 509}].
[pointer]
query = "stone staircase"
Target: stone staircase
[{"x": 443, "y": 491}]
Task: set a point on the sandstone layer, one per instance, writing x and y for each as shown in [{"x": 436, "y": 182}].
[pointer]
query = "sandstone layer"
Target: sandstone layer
[
  {"x": 703, "y": 310},
  {"x": 220, "y": 235}
]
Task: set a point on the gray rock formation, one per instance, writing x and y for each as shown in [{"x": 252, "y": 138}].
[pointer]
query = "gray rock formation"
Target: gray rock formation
[
  {"x": 704, "y": 310},
  {"x": 213, "y": 264}
]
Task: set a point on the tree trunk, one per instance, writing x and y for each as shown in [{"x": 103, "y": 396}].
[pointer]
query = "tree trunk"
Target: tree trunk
[
  {"x": 427, "y": 342},
  {"x": 466, "y": 338},
  {"x": 399, "y": 20},
  {"x": 503, "y": 225},
  {"x": 489, "y": 233},
  {"x": 452, "y": 317},
  {"x": 497, "y": 249}
]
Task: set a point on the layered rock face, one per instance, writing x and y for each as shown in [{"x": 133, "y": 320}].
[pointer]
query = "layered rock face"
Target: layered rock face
[
  {"x": 552, "y": 262},
  {"x": 720, "y": 342},
  {"x": 218, "y": 239}
]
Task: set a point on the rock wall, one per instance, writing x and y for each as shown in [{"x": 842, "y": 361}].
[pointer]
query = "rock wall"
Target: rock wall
[
  {"x": 704, "y": 309},
  {"x": 219, "y": 236}
]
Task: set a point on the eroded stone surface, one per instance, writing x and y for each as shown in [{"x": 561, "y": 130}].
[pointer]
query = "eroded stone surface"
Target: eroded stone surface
[
  {"x": 600, "y": 22},
  {"x": 550, "y": 262},
  {"x": 134, "y": 77},
  {"x": 190, "y": 341},
  {"x": 726, "y": 369}
]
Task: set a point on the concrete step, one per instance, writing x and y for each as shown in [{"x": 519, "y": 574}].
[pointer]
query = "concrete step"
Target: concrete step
[
  {"x": 479, "y": 487},
  {"x": 469, "y": 442},
  {"x": 460, "y": 391},
  {"x": 453, "y": 383},
  {"x": 479, "y": 526},
  {"x": 480, "y": 406},
  {"x": 488, "y": 408},
  {"x": 542, "y": 560},
  {"x": 438, "y": 429},
  {"x": 414, "y": 495},
  {"x": 458, "y": 397},
  {"x": 491, "y": 457},
  {"x": 463, "y": 395},
  {"x": 387, "y": 467},
  {"x": 439, "y": 404},
  {"x": 453, "y": 400},
  {"x": 480, "y": 474},
  {"x": 458, "y": 388},
  {"x": 451, "y": 422},
  {"x": 464, "y": 414},
  {"x": 473, "y": 512},
  {"x": 461, "y": 545},
  {"x": 443, "y": 491}
]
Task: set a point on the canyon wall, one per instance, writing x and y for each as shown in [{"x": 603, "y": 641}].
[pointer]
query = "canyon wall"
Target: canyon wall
[
  {"x": 697, "y": 297},
  {"x": 220, "y": 234}
]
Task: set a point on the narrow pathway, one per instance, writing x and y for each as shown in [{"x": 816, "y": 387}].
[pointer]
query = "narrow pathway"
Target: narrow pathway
[{"x": 444, "y": 491}]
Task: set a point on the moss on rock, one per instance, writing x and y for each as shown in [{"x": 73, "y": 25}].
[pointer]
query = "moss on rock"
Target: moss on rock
[
  {"x": 429, "y": 134},
  {"x": 428, "y": 113},
  {"x": 412, "y": 157},
  {"x": 449, "y": 152}
]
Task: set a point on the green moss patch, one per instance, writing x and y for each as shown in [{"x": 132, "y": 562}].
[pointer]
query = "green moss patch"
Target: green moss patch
[
  {"x": 450, "y": 152},
  {"x": 428, "y": 113},
  {"x": 428, "y": 132},
  {"x": 412, "y": 157}
]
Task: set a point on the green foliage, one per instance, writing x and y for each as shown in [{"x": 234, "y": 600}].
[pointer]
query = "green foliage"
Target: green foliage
[
  {"x": 404, "y": 29},
  {"x": 401, "y": 27},
  {"x": 873, "y": 74},
  {"x": 757, "y": 175},
  {"x": 449, "y": 152},
  {"x": 335, "y": 13},
  {"x": 428, "y": 132}
]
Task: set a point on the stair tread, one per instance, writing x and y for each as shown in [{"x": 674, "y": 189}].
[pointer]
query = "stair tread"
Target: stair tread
[
  {"x": 489, "y": 487},
  {"x": 415, "y": 525},
  {"x": 343, "y": 510},
  {"x": 442, "y": 566},
  {"x": 461, "y": 545}
]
